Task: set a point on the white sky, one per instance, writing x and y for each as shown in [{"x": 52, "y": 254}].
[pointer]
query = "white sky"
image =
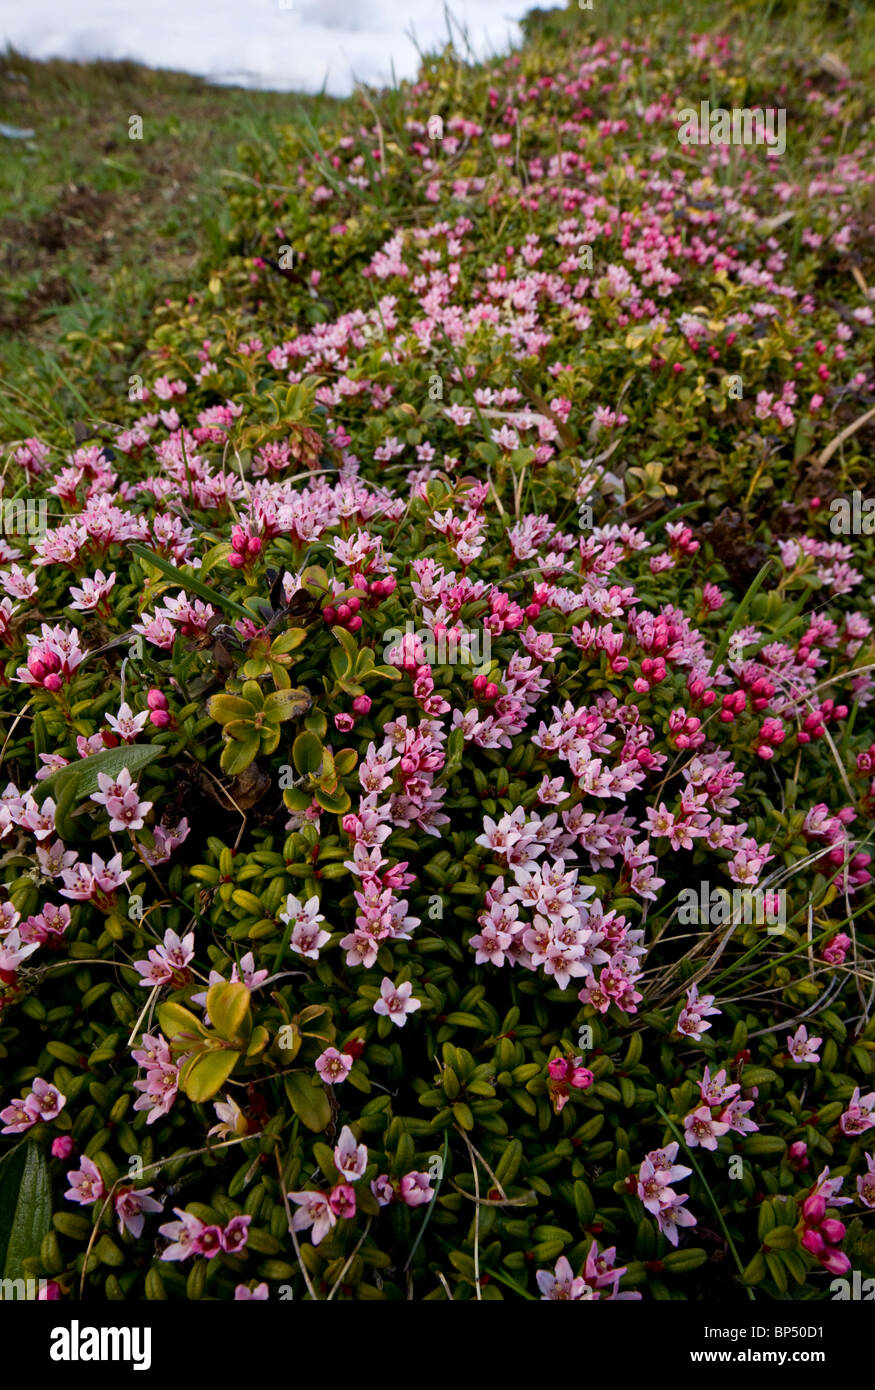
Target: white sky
[{"x": 287, "y": 45}]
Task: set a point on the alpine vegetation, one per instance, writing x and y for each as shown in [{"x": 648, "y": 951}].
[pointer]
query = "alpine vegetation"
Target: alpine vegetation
[{"x": 438, "y": 744}]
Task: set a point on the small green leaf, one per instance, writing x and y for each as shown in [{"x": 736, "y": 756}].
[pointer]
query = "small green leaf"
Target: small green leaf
[
  {"x": 258, "y": 1042},
  {"x": 348, "y": 642},
  {"x": 287, "y": 704},
  {"x": 288, "y": 641},
  {"x": 307, "y": 753},
  {"x": 175, "y": 1019},
  {"x": 225, "y": 708},
  {"x": 270, "y": 737},
  {"x": 338, "y": 803},
  {"x": 389, "y": 673},
  {"x": 310, "y": 1103},
  {"x": 204, "y": 1075},
  {"x": 345, "y": 760},
  {"x": 239, "y": 753},
  {"x": 228, "y": 1007},
  {"x": 252, "y": 692},
  {"x": 316, "y": 722}
]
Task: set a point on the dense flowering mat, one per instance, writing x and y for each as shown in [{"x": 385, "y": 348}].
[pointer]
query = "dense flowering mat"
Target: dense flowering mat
[{"x": 437, "y": 737}]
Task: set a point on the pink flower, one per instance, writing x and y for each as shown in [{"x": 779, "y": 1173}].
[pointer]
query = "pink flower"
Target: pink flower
[
  {"x": 822, "y": 1235},
  {"x": 836, "y": 949},
  {"x": 243, "y": 1293},
  {"x": 653, "y": 1187},
  {"x": 45, "y": 1101},
  {"x": 691, "y": 1021},
  {"x": 63, "y": 1146},
  {"x": 182, "y": 1235},
  {"x": 93, "y": 592},
  {"x": 702, "y": 1128},
  {"x": 714, "y": 1090},
  {"x": 334, "y": 1066},
  {"x": 120, "y": 798},
  {"x": 415, "y": 1189},
  {"x": 350, "y": 1157},
  {"x": 130, "y": 1206},
  {"x": 858, "y": 1118},
  {"x": 12, "y": 953},
  {"x": 307, "y": 937},
  {"x": 16, "y": 1118},
  {"x": 341, "y": 1200},
  {"x": 314, "y": 1212},
  {"x": 236, "y": 1235},
  {"x": 396, "y": 1002},
  {"x": 802, "y": 1048},
  {"x": 208, "y": 1242},
  {"x": 866, "y": 1183},
  {"x": 561, "y": 1285},
  {"x": 670, "y": 1218},
  {"x": 383, "y": 1190},
  {"x": 127, "y": 725},
  {"x": 86, "y": 1183},
  {"x": 167, "y": 961},
  {"x": 735, "y": 1115}
]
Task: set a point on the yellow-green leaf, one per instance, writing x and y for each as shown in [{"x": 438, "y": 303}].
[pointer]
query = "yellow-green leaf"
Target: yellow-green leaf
[
  {"x": 228, "y": 1008},
  {"x": 204, "y": 1075}
]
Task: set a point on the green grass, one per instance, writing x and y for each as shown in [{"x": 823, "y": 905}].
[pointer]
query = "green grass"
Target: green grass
[{"x": 95, "y": 227}]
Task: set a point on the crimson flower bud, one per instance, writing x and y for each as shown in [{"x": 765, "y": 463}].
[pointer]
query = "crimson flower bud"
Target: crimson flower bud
[{"x": 814, "y": 1209}]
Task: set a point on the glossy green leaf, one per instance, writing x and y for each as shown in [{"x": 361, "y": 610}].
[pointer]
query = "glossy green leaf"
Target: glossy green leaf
[
  {"x": 310, "y": 1103},
  {"x": 204, "y": 1075},
  {"x": 133, "y": 756},
  {"x": 224, "y": 708},
  {"x": 228, "y": 1007},
  {"x": 307, "y": 753},
  {"x": 25, "y": 1208},
  {"x": 239, "y": 753}
]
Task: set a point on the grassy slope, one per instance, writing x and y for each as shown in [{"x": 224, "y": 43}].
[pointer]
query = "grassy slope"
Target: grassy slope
[{"x": 94, "y": 226}]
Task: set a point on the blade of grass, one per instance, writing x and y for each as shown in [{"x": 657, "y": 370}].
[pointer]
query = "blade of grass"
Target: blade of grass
[
  {"x": 740, "y": 614},
  {"x": 431, "y": 1205},
  {"x": 724, "y": 1228},
  {"x": 190, "y": 584}
]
